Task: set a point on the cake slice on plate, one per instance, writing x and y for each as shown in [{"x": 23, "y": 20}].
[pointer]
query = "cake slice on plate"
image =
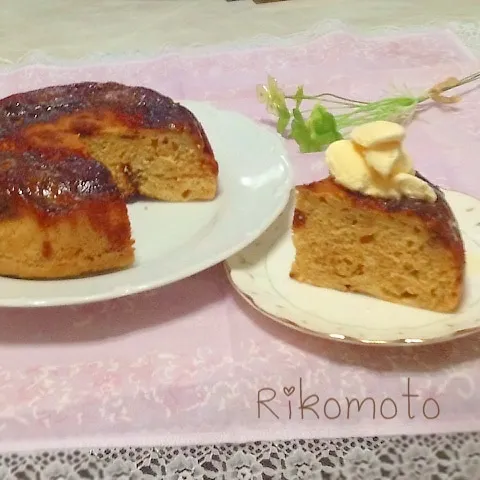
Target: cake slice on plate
[{"x": 375, "y": 226}]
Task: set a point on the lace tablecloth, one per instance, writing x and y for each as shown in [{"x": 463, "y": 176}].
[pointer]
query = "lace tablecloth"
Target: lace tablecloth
[
  {"x": 452, "y": 456},
  {"x": 435, "y": 457}
]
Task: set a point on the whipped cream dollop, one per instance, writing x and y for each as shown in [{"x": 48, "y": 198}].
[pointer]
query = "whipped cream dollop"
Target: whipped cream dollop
[{"x": 373, "y": 162}]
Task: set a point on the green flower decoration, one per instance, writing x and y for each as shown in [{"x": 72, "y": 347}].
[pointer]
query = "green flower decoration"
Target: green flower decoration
[
  {"x": 274, "y": 99},
  {"x": 314, "y": 128}
]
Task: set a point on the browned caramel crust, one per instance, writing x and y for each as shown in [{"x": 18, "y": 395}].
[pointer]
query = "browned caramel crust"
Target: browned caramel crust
[
  {"x": 56, "y": 185},
  {"x": 42, "y": 157},
  {"x": 94, "y": 106},
  {"x": 137, "y": 107},
  {"x": 437, "y": 216}
]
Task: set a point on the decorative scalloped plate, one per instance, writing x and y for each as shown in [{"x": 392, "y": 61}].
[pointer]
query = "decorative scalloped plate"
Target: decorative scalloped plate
[{"x": 260, "y": 274}]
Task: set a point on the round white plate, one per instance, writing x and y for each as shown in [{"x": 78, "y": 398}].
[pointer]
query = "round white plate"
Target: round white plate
[
  {"x": 176, "y": 240},
  {"x": 260, "y": 274}
]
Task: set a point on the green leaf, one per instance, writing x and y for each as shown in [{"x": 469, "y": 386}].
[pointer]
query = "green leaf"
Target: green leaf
[
  {"x": 300, "y": 131},
  {"x": 325, "y": 139},
  {"x": 298, "y": 97},
  {"x": 316, "y": 133},
  {"x": 321, "y": 120},
  {"x": 284, "y": 117}
]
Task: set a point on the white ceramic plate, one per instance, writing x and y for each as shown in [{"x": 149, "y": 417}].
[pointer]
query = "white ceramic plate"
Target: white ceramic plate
[
  {"x": 260, "y": 273},
  {"x": 176, "y": 240}
]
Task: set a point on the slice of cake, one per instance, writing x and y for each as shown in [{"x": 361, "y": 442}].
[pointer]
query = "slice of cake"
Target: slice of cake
[{"x": 375, "y": 226}]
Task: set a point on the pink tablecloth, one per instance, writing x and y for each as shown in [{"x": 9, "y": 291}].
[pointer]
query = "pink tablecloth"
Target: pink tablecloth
[{"x": 185, "y": 364}]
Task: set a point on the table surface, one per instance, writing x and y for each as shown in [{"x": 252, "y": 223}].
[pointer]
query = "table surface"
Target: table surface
[
  {"x": 73, "y": 29},
  {"x": 69, "y": 29}
]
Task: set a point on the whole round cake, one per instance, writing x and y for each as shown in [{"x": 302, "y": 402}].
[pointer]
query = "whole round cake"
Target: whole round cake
[{"x": 72, "y": 156}]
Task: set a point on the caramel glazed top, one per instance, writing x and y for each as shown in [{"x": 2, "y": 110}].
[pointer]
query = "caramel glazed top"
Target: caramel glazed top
[{"x": 41, "y": 157}]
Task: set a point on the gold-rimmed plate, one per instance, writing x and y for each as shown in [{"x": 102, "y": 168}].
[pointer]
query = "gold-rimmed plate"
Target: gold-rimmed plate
[{"x": 260, "y": 274}]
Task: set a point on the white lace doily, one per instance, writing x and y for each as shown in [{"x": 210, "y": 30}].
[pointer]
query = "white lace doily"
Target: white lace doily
[{"x": 435, "y": 457}]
